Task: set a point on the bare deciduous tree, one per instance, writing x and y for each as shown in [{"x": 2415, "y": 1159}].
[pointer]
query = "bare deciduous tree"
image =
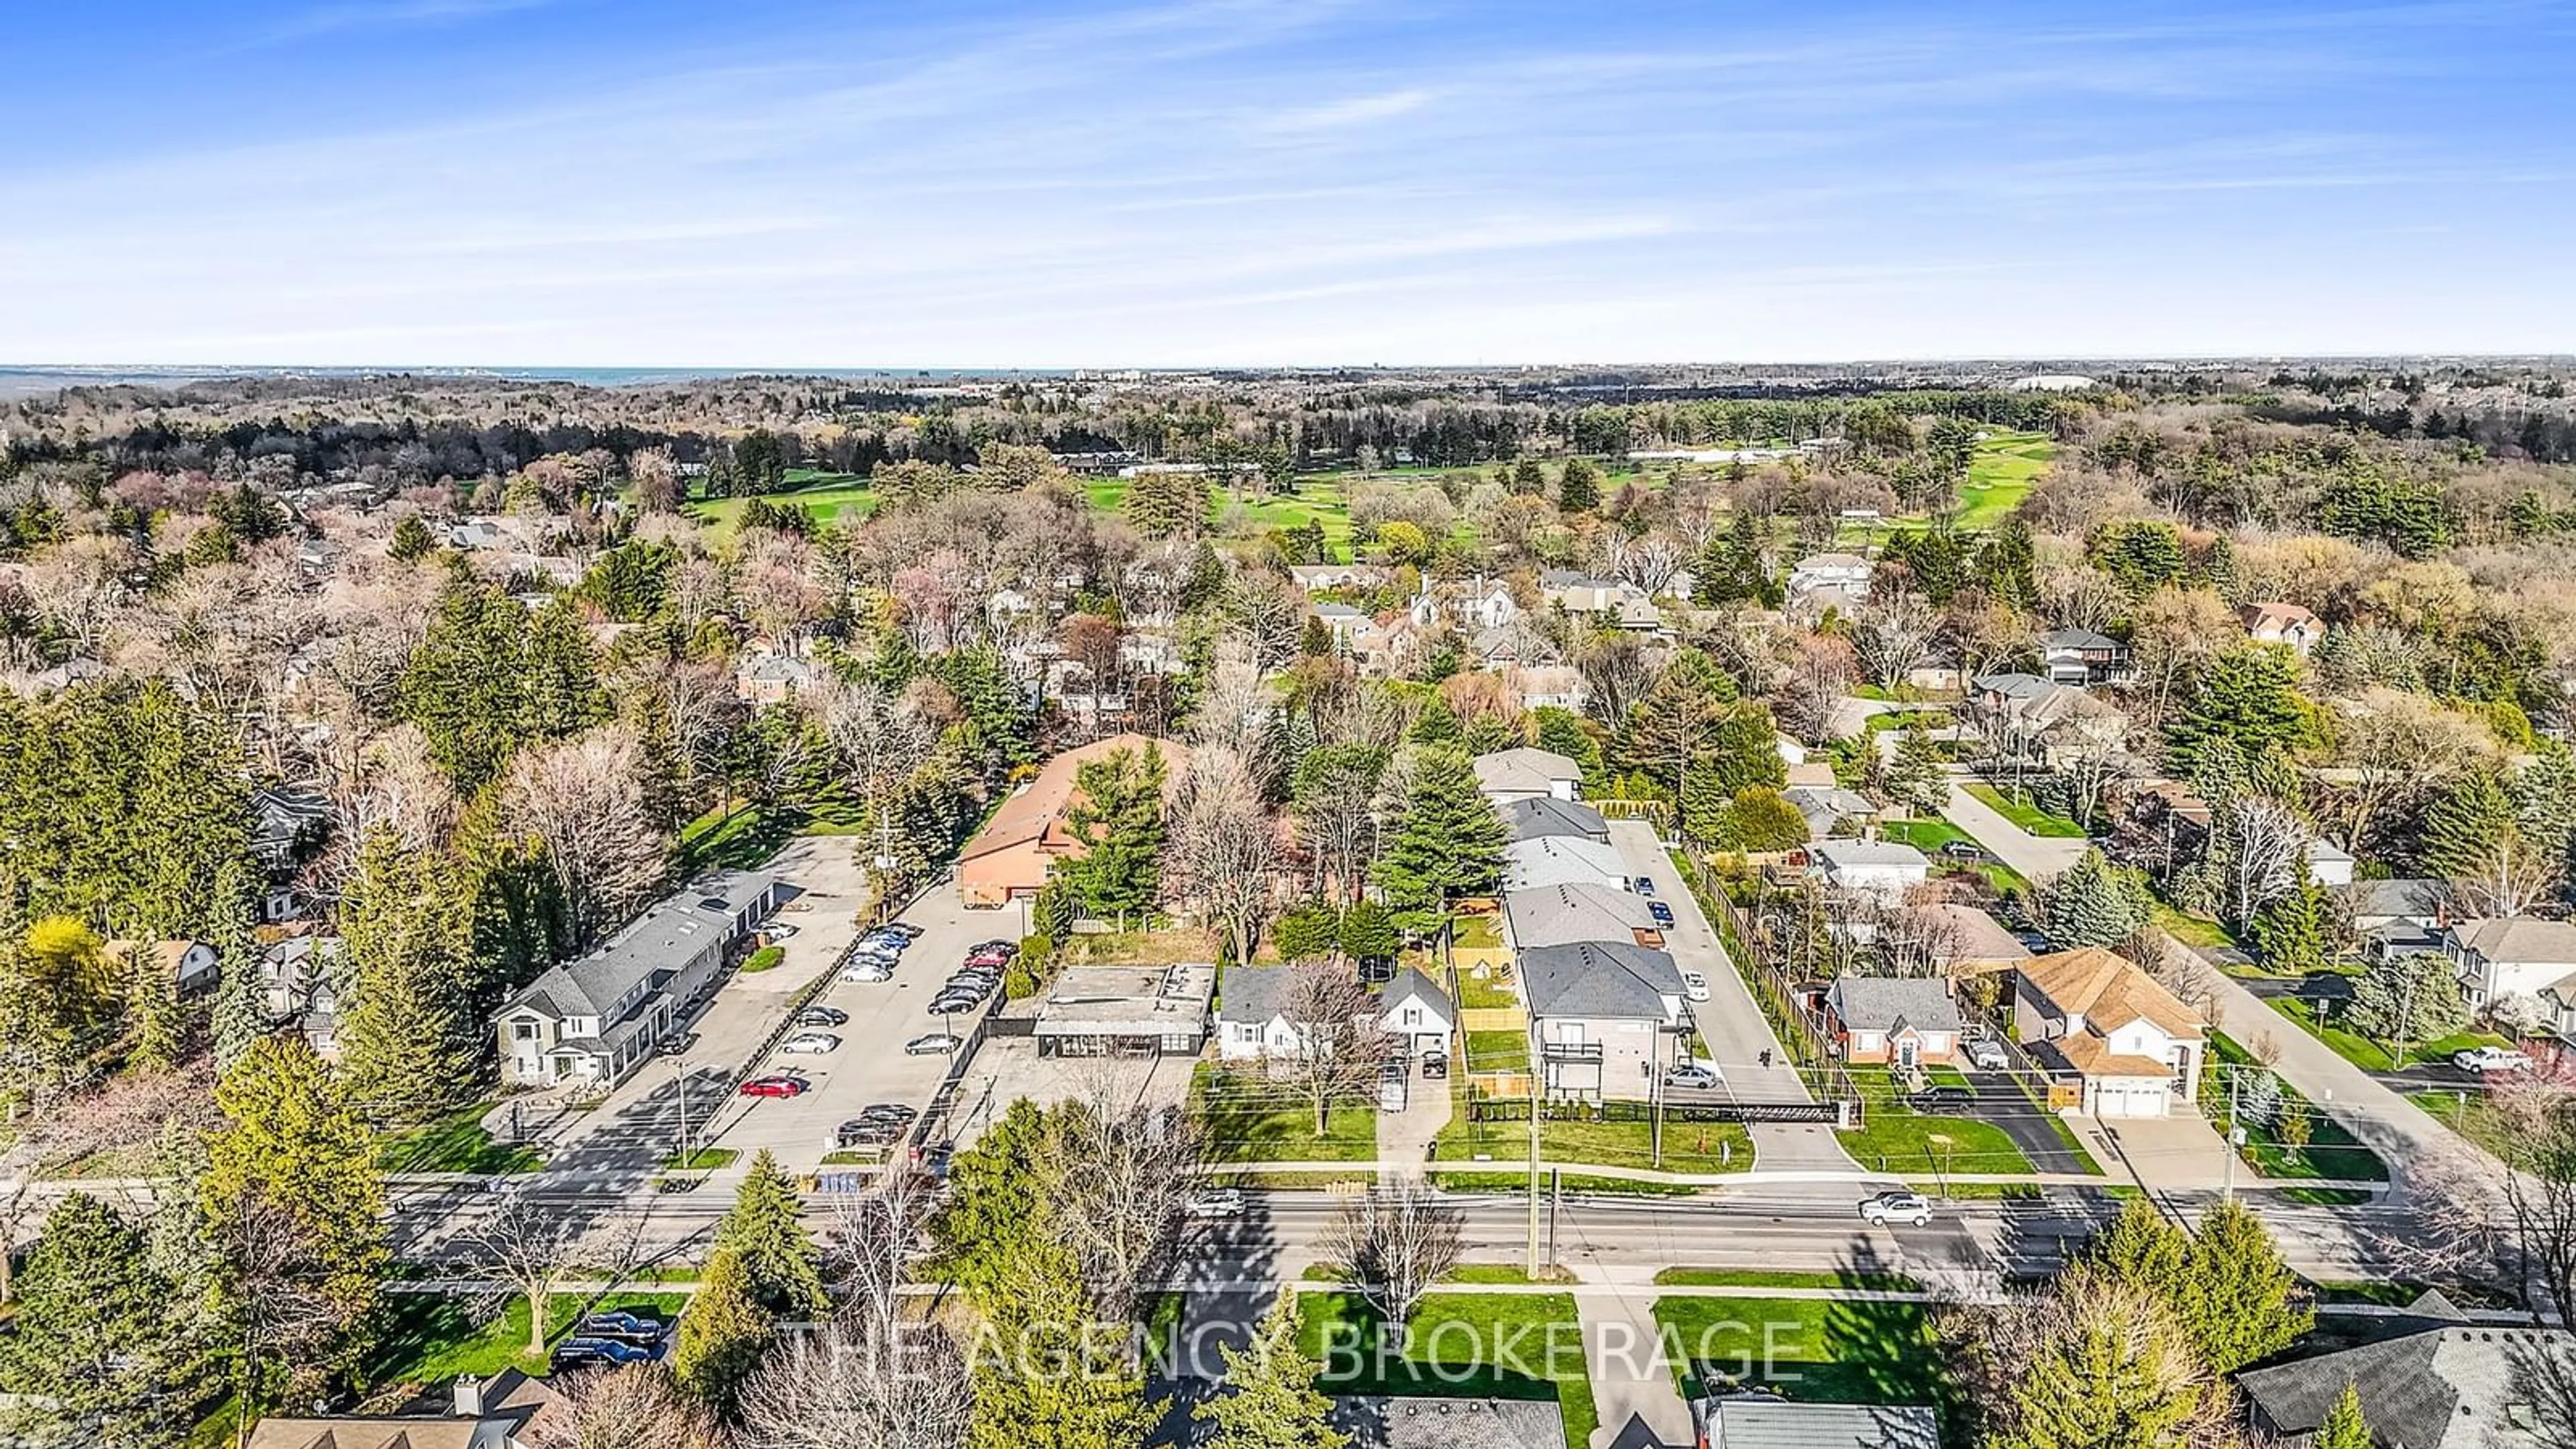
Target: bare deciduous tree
[
  {"x": 1394, "y": 1242},
  {"x": 880, "y": 737},
  {"x": 526, "y": 1249},
  {"x": 1131, "y": 1173},
  {"x": 1338, "y": 1047},
  {"x": 1224, "y": 853},
  {"x": 844, "y": 1387},
  {"x": 1895, "y": 638},
  {"x": 2267, "y": 841},
  {"x": 635, "y": 1407},
  {"x": 584, "y": 797}
]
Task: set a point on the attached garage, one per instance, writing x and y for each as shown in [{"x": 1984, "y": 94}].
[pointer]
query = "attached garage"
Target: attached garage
[{"x": 2129, "y": 1097}]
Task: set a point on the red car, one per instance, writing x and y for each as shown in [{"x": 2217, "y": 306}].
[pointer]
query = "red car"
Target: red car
[
  {"x": 775, "y": 1086},
  {"x": 988, "y": 958}
]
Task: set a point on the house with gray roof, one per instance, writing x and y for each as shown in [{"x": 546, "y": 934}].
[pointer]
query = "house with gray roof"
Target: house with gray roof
[
  {"x": 1252, "y": 1013},
  {"x": 1559, "y": 915},
  {"x": 1599, "y": 1013},
  {"x": 1885, "y": 869},
  {"x": 1562, "y": 860},
  {"x": 1767, "y": 1421},
  {"x": 2079, "y": 657},
  {"x": 1417, "y": 1013},
  {"x": 1524, "y": 773},
  {"x": 594, "y": 1019},
  {"x": 2511, "y": 956},
  {"x": 2454, "y": 1387},
  {"x": 1431, "y": 1422},
  {"x": 1909, "y": 1021},
  {"x": 1544, "y": 816}
]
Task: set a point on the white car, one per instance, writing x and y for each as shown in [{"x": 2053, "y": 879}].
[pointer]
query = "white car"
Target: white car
[
  {"x": 811, "y": 1043},
  {"x": 1896, "y": 1207},
  {"x": 2485, "y": 1059},
  {"x": 1988, "y": 1055},
  {"x": 1695, "y": 1075},
  {"x": 869, "y": 971},
  {"x": 1694, "y": 986},
  {"x": 1217, "y": 1202}
]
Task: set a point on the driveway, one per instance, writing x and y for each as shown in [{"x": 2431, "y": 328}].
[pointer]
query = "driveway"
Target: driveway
[
  {"x": 2037, "y": 857},
  {"x": 1634, "y": 1387},
  {"x": 2032, "y": 1128},
  {"x": 1737, "y": 1033}
]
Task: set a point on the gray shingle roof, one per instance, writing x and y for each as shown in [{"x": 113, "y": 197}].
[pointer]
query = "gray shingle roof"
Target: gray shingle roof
[
  {"x": 1411, "y": 985},
  {"x": 1252, "y": 994},
  {"x": 1443, "y": 1423},
  {"x": 1599, "y": 979},
  {"x": 1768, "y": 1423},
  {"x": 1547, "y": 815},
  {"x": 1524, "y": 768},
  {"x": 2446, "y": 1388},
  {"x": 1880, "y": 1003},
  {"x": 1559, "y": 914},
  {"x": 2415, "y": 900},
  {"x": 661, "y": 941}
]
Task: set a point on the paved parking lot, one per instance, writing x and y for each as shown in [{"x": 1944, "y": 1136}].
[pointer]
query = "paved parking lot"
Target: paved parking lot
[
  {"x": 629, "y": 1133},
  {"x": 871, "y": 1065},
  {"x": 1008, "y": 1068}
]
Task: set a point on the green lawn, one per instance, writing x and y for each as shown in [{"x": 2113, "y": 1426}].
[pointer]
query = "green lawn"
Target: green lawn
[
  {"x": 1688, "y": 1146},
  {"x": 2371, "y": 1055},
  {"x": 826, "y": 498},
  {"x": 1250, "y": 1120},
  {"x": 453, "y": 1144},
  {"x": 702, "y": 1159},
  {"x": 1819, "y": 1350},
  {"x": 2331, "y": 1151},
  {"x": 2004, "y": 466},
  {"x": 1898, "y": 719},
  {"x": 1497, "y": 1051},
  {"x": 2465, "y": 1110},
  {"x": 1895, "y": 1138},
  {"x": 1485, "y": 993},
  {"x": 1929, "y": 836},
  {"x": 1483, "y": 932},
  {"x": 1473, "y": 1345},
  {"x": 744, "y": 838},
  {"x": 2188, "y": 929},
  {"x": 429, "y": 1339},
  {"x": 2026, "y": 814}
]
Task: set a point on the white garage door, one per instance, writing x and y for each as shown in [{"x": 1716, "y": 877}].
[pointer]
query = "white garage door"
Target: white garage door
[{"x": 2131, "y": 1099}]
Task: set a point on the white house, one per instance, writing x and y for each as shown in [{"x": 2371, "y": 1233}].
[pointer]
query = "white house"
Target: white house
[
  {"x": 1252, "y": 1014},
  {"x": 597, "y": 1018},
  {"x": 2329, "y": 864},
  {"x": 1880, "y": 868},
  {"x": 1840, "y": 578},
  {"x": 1417, "y": 1013},
  {"x": 2092, "y": 1015},
  {"x": 1524, "y": 773},
  {"x": 2514, "y": 956},
  {"x": 2278, "y": 623},
  {"x": 188, "y": 965}
]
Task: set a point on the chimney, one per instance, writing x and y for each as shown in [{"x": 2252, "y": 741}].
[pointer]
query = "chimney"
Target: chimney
[{"x": 469, "y": 1397}]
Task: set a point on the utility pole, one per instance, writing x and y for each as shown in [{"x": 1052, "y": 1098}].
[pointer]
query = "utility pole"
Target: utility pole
[
  {"x": 1655, "y": 1094},
  {"x": 684, "y": 1116},
  {"x": 1555, "y": 1205},
  {"x": 1540, "y": 1065}
]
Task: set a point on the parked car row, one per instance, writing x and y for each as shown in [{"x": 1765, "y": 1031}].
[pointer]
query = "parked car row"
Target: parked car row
[
  {"x": 973, "y": 983},
  {"x": 611, "y": 1339},
  {"x": 873, "y": 956}
]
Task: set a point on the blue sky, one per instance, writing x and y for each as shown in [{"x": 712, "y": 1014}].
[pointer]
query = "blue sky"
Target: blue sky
[{"x": 978, "y": 183}]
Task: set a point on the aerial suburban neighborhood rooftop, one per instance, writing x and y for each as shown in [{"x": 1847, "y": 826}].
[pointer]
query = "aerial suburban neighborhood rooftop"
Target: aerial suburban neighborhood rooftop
[{"x": 1075, "y": 843}]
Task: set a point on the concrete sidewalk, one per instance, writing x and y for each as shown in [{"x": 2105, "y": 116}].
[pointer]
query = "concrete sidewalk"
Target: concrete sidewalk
[{"x": 2037, "y": 857}]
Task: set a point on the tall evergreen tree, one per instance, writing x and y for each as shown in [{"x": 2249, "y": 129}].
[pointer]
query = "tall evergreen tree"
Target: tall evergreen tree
[
  {"x": 488, "y": 676},
  {"x": 1269, "y": 1399},
  {"x": 99, "y": 1351},
  {"x": 724, "y": 1333},
  {"x": 765, "y": 1230},
  {"x": 2289, "y": 930},
  {"x": 2107, "y": 1368},
  {"x": 240, "y": 1014},
  {"x": 295, "y": 1208},
  {"x": 2464, "y": 821},
  {"x": 409, "y": 1048},
  {"x": 1058, "y": 1383},
  {"x": 1578, "y": 487},
  {"x": 1118, "y": 817},
  {"x": 2248, "y": 695},
  {"x": 1917, "y": 778},
  {"x": 411, "y": 541},
  {"x": 2143, "y": 1247},
  {"x": 2090, "y": 905},
  {"x": 1448, "y": 843},
  {"x": 2006, "y": 567},
  {"x": 2242, "y": 1304},
  {"x": 1367, "y": 932},
  {"x": 2412, "y": 996}
]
